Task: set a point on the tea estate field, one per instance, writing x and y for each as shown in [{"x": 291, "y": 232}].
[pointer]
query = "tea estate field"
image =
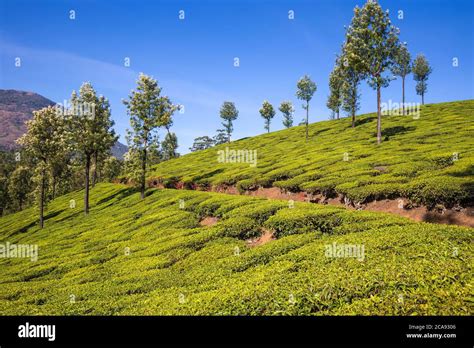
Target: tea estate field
[
  {"x": 426, "y": 157},
  {"x": 155, "y": 257}
]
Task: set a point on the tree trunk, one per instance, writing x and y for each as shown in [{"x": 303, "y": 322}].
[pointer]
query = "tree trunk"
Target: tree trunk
[
  {"x": 54, "y": 186},
  {"x": 403, "y": 95},
  {"x": 42, "y": 199},
  {"x": 422, "y": 98},
  {"x": 307, "y": 116},
  {"x": 94, "y": 172},
  {"x": 353, "y": 120},
  {"x": 379, "y": 118},
  {"x": 337, "y": 114},
  {"x": 142, "y": 184},
  {"x": 86, "y": 193}
]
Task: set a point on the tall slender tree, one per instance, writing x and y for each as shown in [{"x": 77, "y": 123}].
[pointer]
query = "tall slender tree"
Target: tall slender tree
[
  {"x": 349, "y": 93},
  {"x": 287, "y": 109},
  {"x": 421, "y": 72},
  {"x": 228, "y": 113},
  {"x": 148, "y": 111},
  {"x": 402, "y": 67},
  {"x": 267, "y": 112},
  {"x": 106, "y": 140},
  {"x": 7, "y": 166},
  {"x": 45, "y": 138},
  {"x": 349, "y": 88},
  {"x": 334, "y": 101},
  {"x": 91, "y": 127},
  {"x": 169, "y": 146},
  {"x": 371, "y": 46},
  {"x": 305, "y": 91},
  {"x": 19, "y": 186},
  {"x": 4, "y": 197}
]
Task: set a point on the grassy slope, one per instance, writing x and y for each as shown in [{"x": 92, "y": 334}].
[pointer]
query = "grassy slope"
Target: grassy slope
[
  {"x": 409, "y": 268},
  {"x": 415, "y": 159}
]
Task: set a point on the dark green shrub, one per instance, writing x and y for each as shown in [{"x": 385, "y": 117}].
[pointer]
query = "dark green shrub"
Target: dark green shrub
[
  {"x": 238, "y": 227},
  {"x": 293, "y": 221},
  {"x": 246, "y": 185},
  {"x": 444, "y": 190}
]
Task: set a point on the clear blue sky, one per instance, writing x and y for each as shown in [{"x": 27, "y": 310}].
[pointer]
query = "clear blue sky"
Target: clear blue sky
[{"x": 193, "y": 58}]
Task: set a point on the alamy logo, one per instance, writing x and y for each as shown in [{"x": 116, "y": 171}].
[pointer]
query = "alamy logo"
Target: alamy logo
[
  {"x": 396, "y": 109},
  {"x": 237, "y": 156},
  {"x": 37, "y": 331},
  {"x": 82, "y": 109},
  {"x": 345, "y": 250},
  {"x": 8, "y": 250}
]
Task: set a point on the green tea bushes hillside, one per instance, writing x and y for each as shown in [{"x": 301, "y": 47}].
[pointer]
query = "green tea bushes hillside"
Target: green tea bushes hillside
[
  {"x": 154, "y": 257},
  {"x": 428, "y": 159}
]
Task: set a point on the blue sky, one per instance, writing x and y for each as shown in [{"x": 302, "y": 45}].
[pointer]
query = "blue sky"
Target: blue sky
[{"x": 193, "y": 59}]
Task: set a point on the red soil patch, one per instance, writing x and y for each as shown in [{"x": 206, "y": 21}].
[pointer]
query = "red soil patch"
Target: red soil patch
[
  {"x": 459, "y": 216},
  {"x": 232, "y": 190},
  {"x": 208, "y": 221},
  {"x": 264, "y": 238}
]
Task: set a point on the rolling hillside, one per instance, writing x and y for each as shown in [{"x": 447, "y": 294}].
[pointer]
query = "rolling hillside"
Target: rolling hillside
[
  {"x": 189, "y": 253},
  {"x": 427, "y": 160},
  {"x": 186, "y": 252}
]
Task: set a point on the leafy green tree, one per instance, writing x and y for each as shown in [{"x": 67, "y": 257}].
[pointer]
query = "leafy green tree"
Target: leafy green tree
[
  {"x": 132, "y": 164},
  {"x": 228, "y": 113},
  {"x": 4, "y": 197},
  {"x": 267, "y": 112},
  {"x": 45, "y": 138},
  {"x": 7, "y": 162},
  {"x": 305, "y": 91},
  {"x": 335, "y": 84},
  {"x": 421, "y": 72},
  {"x": 59, "y": 170},
  {"x": 91, "y": 129},
  {"x": 202, "y": 143},
  {"x": 7, "y": 166},
  {"x": 287, "y": 109},
  {"x": 349, "y": 93},
  {"x": 220, "y": 137},
  {"x": 111, "y": 169},
  {"x": 169, "y": 111},
  {"x": 148, "y": 111},
  {"x": 155, "y": 155},
  {"x": 19, "y": 186},
  {"x": 169, "y": 147},
  {"x": 402, "y": 67},
  {"x": 371, "y": 47},
  {"x": 109, "y": 138}
]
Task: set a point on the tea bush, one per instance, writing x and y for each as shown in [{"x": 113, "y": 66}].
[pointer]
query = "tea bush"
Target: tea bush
[{"x": 152, "y": 257}]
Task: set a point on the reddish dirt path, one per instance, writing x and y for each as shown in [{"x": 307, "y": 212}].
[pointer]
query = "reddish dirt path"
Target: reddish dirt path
[
  {"x": 208, "y": 221},
  {"x": 460, "y": 217},
  {"x": 264, "y": 238}
]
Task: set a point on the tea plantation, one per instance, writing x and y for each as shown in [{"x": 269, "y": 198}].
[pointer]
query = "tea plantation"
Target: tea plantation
[
  {"x": 427, "y": 158},
  {"x": 155, "y": 257}
]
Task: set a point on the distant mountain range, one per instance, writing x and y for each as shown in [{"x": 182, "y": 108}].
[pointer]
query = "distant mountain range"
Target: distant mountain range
[{"x": 16, "y": 107}]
